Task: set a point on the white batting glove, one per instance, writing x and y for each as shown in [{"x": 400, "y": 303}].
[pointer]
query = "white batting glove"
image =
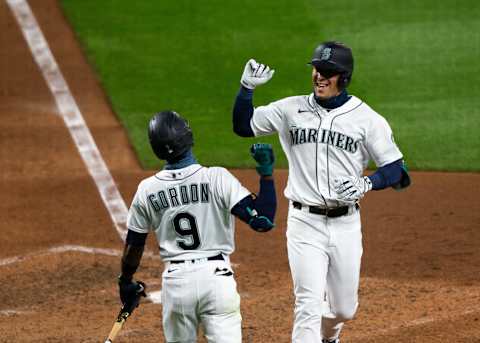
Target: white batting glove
[
  {"x": 351, "y": 188},
  {"x": 255, "y": 74}
]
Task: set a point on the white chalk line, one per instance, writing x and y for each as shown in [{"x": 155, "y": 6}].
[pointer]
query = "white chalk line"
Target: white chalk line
[
  {"x": 70, "y": 248},
  {"x": 10, "y": 313},
  {"x": 71, "y": 114}
]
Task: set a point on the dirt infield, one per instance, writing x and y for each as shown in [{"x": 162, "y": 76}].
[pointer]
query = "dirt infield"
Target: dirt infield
[{"x": 59, "y": 249}]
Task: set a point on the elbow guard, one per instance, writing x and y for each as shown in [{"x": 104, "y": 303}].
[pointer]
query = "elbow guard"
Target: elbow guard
[
  {"x": 247, "y": 213},
  {"x": 405, "y": 180}
]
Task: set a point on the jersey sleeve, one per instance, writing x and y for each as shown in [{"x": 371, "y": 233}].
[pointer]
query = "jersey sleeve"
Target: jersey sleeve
[
  {"x": 138, "y": 219},
  {"x": 227, "y": 188},
  {"x": 381, "y": 144},
  {"x": 267, "y": 119}
]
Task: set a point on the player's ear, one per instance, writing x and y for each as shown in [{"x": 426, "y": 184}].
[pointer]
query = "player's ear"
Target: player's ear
[{"x": 340, "y": 82}]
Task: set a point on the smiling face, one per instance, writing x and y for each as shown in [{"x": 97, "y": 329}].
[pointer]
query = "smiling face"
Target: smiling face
[{"x": 324, "y": 87}]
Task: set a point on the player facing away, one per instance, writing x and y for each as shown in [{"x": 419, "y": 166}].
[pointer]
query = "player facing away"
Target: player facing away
[
  {"x": 190, "y": 209},
  {"x": 328, "y": 137}
]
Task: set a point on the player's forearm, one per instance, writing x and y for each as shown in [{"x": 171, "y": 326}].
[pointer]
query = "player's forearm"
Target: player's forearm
[
  {"x": 132, "y": 253},
  {"x": 266, "y": 201},
  {"x": 387, "y": 176},
  {"x": 243, "y": 112}
]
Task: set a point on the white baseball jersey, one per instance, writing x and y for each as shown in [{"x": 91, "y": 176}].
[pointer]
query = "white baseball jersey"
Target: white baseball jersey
[
  {"x": 189, "y": 211},
  {"x": 323, "y": 145}
]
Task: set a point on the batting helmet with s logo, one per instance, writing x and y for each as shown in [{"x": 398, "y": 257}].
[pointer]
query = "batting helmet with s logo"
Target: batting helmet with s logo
[{"x": 336, "y": 58}]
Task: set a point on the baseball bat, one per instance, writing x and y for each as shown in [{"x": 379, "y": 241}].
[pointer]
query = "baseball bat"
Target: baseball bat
[{"x": 117, "y": 326}]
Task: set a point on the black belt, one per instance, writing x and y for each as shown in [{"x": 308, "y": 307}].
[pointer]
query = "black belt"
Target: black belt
[
  {"x": 218, "y": 257},
  {"x": 329, "y": 212}
]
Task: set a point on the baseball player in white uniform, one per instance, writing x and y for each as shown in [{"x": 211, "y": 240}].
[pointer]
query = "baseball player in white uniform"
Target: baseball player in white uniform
[
  {"x": 190, "y": 209},
  {"x": 328, "y": 137}
]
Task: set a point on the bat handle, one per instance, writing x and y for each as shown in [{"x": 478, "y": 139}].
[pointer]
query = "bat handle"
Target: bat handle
[
  {"x": 116, "y": 329},
  {"x": 121, "y": 319}
]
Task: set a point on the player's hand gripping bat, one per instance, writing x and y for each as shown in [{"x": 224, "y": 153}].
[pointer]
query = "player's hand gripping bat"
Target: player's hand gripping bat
[{"x": 126, "y": 311}]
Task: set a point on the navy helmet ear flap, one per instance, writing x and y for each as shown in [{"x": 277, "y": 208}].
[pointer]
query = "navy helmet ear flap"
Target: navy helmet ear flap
[{"x": 344, "y": 80}]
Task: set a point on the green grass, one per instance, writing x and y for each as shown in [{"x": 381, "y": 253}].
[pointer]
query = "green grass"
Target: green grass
[{"x": 416, "y": 64}]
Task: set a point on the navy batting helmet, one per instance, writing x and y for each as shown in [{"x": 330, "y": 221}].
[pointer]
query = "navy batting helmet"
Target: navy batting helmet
[
  {"x": 170, "y": 135},
  {"x": 334, "y": 58}
]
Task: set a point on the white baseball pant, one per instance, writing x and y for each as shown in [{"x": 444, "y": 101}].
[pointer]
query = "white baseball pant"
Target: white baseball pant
[
  {"x": 324, "y": 256},
  {"x": 201, "y": 293}
]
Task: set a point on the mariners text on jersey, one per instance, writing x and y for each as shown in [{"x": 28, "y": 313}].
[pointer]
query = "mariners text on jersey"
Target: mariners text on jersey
[
  {"x": 179, "y": 195},
  {"x": 310, "y": 135}
]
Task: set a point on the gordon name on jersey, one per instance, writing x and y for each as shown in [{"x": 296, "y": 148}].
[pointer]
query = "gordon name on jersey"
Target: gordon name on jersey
[{"x": 179, "y": 195}]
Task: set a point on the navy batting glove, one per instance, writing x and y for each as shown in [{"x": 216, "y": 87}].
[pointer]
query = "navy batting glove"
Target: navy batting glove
[
  {"x": 131, "y": 291},
  {"x": 261, "y": 224},
  {"x": 263, "y": 154}
]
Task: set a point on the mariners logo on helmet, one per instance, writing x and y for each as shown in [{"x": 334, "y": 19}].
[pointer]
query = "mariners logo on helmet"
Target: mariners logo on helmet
[
  {"x": 325, "y": 54},
  {"x": 170, "y": 135}
]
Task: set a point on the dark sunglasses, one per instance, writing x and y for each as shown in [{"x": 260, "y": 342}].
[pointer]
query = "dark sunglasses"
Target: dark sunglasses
[{"x": 327, "y": 71}]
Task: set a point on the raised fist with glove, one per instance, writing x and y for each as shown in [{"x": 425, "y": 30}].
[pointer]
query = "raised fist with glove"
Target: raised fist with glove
[
  {"x": 261, "y": 209},
  {"x": 131, "y": 291},
  {"x": 255, "y": 74},
  {"x": 263, "y": 154},
  {"x": 351, "y": 189}
]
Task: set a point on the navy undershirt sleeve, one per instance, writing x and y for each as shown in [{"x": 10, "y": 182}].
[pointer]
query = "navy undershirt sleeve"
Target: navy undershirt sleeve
[
  {"x": 132, "y": 253},
  {"x": 136, "y": 239},
  {"x": 266, "y": 201},
  {"x": 243, "y": 112},
  {"x": 387, "y": 175},
  {"x": 265, "y": 204}
]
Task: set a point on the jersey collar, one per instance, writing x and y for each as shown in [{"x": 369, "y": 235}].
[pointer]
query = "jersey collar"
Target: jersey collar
[
  {"x": 346, "y": 107},
  {"x": 187, "y": 160},
  {"x": 333, "y": 102},
  {"x": 178, "y": 174}
]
